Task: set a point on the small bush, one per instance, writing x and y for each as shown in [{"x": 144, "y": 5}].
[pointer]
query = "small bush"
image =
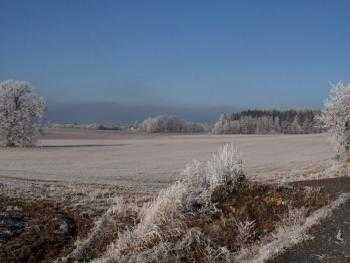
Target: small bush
[{"x": 209, "y": 182}]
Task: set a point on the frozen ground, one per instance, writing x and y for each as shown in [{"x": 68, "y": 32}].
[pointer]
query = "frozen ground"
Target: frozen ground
[{"x": 152, "y": 162}]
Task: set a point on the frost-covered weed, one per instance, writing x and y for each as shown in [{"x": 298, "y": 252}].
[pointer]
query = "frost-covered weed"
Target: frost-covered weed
[
  {"x": 200, "y": 179},
  {"x": 225, "y": 168},
  {"x": 245, "y": 230},
  {"x": 221, "y": 175},
  {"x": 105, "y": 226}
]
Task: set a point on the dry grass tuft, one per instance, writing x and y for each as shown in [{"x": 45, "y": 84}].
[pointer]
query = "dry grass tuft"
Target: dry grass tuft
[{"x": 119, "y": 217}]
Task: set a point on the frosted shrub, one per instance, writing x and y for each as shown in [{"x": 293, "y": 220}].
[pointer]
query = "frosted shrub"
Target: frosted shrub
[
  {"x": 336, "y": 113},
  {"x": 223, "y": 173},
  {"x": 207, "y": 182},
  {"x": 225, "y": 168},
  {"x": 197, "y": 187},
  {"x": 20, "y": 111}
]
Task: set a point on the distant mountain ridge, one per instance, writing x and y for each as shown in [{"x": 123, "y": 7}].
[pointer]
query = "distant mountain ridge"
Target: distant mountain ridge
[{"x": 110, "y": 113}]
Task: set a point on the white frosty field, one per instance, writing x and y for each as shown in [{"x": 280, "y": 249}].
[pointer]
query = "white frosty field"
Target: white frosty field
[{"x": 152, "y": 162}]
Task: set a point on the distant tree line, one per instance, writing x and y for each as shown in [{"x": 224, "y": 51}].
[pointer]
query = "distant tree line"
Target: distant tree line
[
  {"x": 269, "y": 122},
  {"x": 102, "y": 127},
  {"x": 169, "y": 124}
]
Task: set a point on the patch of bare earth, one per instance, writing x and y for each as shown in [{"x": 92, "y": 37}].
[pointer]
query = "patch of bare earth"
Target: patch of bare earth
[{"x": 37, "y": 231}]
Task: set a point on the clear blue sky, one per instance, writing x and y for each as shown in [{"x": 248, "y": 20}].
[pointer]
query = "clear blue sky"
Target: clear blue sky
[{"x": 238, "y": 53}]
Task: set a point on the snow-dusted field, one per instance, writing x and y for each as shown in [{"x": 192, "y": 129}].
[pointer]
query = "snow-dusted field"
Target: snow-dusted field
[{"x": 152, "y": 162}]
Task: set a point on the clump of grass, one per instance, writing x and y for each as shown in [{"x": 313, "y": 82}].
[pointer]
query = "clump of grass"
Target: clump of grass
[{"x": 116, "y": 219}]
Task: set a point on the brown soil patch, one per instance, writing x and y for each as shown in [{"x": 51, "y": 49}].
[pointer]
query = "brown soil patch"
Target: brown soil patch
[
  {"x": 37, "y": 231},
  {"x": 262, "y": 204}
]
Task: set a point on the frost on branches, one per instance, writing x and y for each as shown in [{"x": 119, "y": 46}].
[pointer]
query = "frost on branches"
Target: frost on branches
[
  {"x": 20, "y": 113},
  {"x": 336, "y": 114}
]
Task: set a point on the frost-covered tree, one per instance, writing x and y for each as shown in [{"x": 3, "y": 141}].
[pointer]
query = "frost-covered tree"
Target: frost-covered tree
[
  {"x": 20, "y": 112},
  {"x": 336, "y": 114}
]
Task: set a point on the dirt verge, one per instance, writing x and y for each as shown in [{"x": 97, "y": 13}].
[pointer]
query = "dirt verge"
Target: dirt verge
[
  {"x": 331, "y": 242},
  {"x": 37, "y": 231}
]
